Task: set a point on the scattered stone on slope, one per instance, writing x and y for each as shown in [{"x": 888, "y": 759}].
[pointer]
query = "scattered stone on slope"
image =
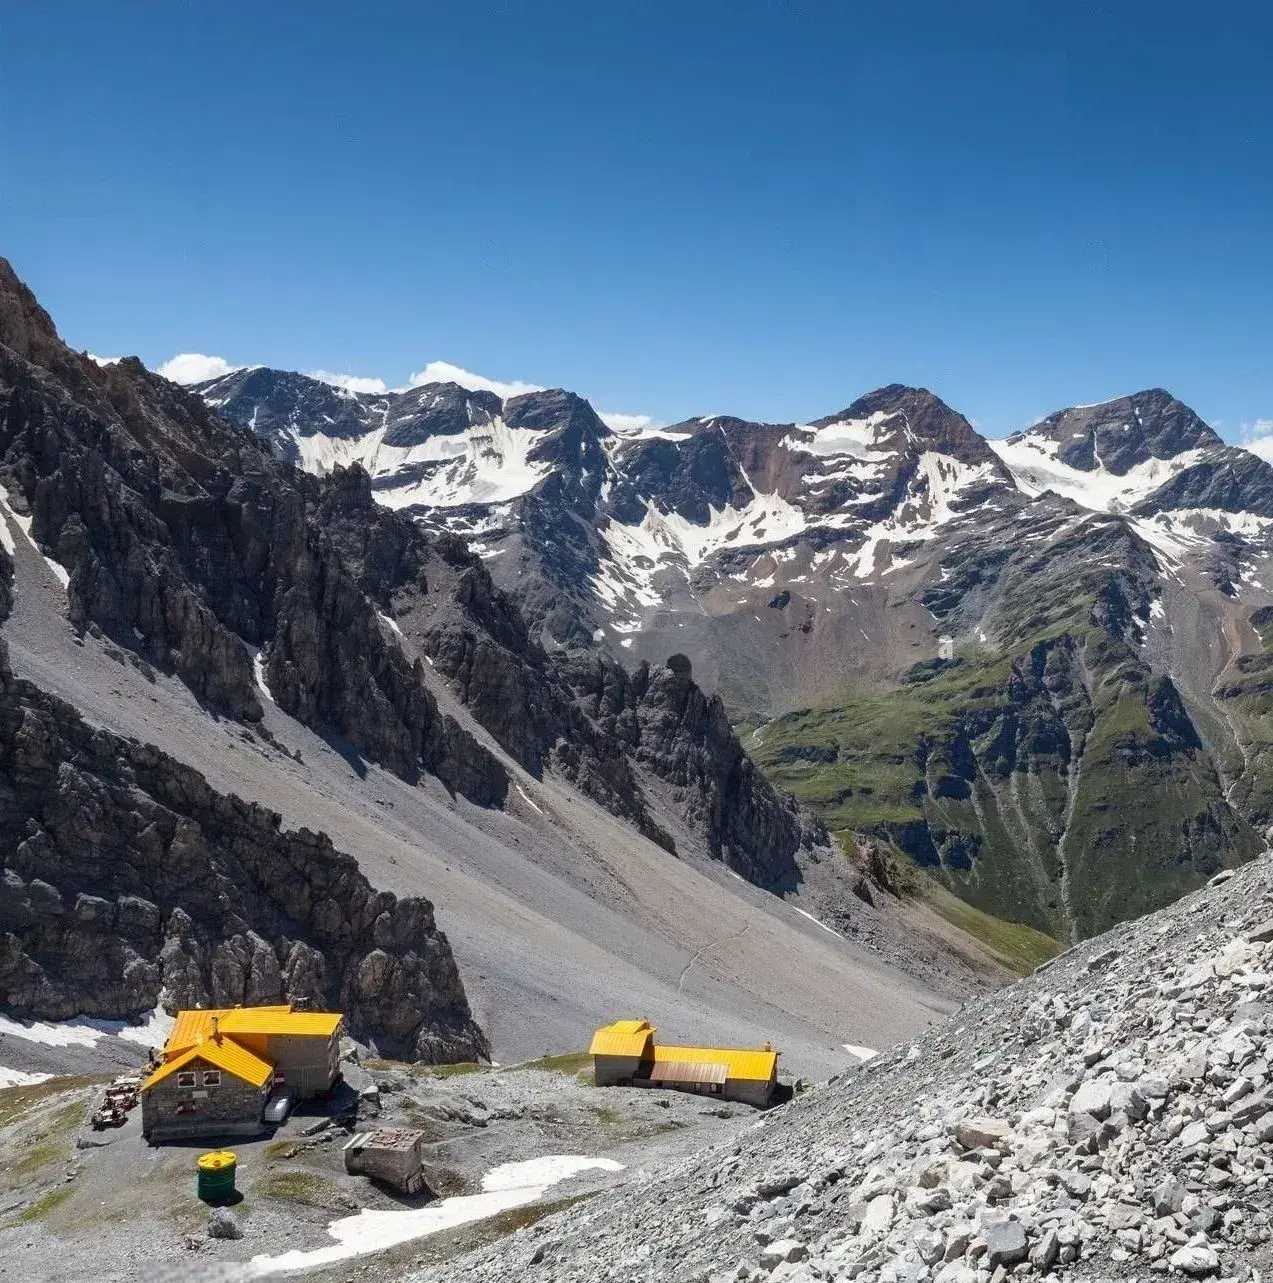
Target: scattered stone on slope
[{"x": 962, "y": 1165}]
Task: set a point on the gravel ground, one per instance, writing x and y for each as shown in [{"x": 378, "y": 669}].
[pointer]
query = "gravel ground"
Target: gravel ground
[
  {"x": 124, "y": 1210},
  {"x": 1109, "y": 1118}
]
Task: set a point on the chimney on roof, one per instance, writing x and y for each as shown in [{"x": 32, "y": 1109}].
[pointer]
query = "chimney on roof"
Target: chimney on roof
[{"x": 216, "y": 1027}]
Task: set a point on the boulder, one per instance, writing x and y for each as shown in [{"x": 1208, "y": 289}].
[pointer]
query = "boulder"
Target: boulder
[
  {"x": 224, "y": 1224},
  {"x": 983, "y": 1133},
  {"x": 1005, "y": 1243}
]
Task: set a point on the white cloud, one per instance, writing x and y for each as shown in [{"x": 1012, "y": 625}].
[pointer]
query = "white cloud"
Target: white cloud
[
  {"x": 103, "y": 360},
  {"x": 445, "y": 372},
  {"x": 194, "y": 367},
  {"x": 627, "y": 423},
  {"x": 350, "y": 382},
  {"x": 1257, "y": 436}
]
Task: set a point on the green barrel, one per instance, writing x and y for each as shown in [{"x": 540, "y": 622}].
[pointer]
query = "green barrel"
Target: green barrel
[{"x": 215, "y": 1179}]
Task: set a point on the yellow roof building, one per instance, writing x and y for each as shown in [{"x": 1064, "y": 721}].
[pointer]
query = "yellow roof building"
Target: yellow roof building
[
  {"x": 634, "y": 1039},
  {"x": 222, "y": 1052},
  {"x": 234, "y": 1039}
]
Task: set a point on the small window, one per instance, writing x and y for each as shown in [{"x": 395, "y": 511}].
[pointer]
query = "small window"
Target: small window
[
  {"x": 186, "y": 1079},
  {"x": 212, "y": 1078}
]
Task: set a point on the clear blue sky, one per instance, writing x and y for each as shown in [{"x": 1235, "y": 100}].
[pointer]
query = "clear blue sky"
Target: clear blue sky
[{"x": 673, "y": 209}]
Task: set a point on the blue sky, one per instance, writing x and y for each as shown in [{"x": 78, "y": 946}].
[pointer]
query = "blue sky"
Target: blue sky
[{"x": 674, "y": 209}]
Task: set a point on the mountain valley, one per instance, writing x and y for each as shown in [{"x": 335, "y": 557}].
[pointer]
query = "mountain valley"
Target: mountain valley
[
  {"x": 1034, "y": 666},
  {"x": 565, "y": 838}
]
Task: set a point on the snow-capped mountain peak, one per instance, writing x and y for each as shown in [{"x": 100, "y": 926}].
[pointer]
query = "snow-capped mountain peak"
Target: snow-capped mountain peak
[
  {"x": 1110, "y": 456},
  {"x": 868, "y": 532}
]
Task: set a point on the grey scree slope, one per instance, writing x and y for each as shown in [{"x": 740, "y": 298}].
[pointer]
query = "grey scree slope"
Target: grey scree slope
[
  {"x": 560, "y": 917},
  {"x": 1109, "y": 1118}
]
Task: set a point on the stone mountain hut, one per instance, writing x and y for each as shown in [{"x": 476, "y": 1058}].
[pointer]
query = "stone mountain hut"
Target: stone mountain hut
[{"x": 219, "y": 1068}]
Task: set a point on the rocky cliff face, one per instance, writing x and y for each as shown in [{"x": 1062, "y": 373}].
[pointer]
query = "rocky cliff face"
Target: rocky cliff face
[
  {"x": 184, "y": 540},
  {"x": 128, "y": 883},
  {"x": 648, "y": 745}
]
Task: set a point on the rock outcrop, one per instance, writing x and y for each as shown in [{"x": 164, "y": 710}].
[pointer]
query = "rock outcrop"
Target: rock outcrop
[
  {"x": 186, "y": 541},
  {"x": 129, "y": 883},
  {"x": 647, "y": 745}
]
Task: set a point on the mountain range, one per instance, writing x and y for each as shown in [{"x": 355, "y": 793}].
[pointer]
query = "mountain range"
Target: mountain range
[
  {"x": 265, "y": 739},
  {"x": 1037, "y": 667}
]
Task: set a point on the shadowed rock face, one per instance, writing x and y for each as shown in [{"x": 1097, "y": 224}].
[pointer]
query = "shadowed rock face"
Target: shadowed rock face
[
  {"x": 683, "y": 739},
  {"x": 635, "y": 742},
  {"x": 184, "y": 538},
  {"x": 128, "y": 883}
]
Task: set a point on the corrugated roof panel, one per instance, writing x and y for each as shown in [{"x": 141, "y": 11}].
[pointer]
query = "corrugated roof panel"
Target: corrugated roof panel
[
  {"x": 684, "y": 1071},
  {"x": 753, "y": 1066}
]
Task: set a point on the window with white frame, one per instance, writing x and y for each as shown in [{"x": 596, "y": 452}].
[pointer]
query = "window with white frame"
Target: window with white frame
[
  {"x": 186, "y": 1079},
  {"x": 212, "y": 1078}
]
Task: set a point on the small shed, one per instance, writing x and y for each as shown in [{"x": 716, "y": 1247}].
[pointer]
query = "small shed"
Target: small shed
[
  {"x": 394, "y": 1156},
  {"x": 625, "y": 1054},
  {"x": 619, "y": 1050}
]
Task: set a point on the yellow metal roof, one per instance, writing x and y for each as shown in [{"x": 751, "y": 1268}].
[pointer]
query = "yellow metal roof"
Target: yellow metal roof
[
  {"x": 753, "y": 1066},
  {"x": 223, "y": 1053},
  {"x": 280, "y": 1020},
  {"x": 623, "y": 1038},
  {"x": 192, "y": 1027}
]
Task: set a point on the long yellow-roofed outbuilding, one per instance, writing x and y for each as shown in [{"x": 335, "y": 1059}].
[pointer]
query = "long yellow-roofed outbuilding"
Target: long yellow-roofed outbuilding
[{"x": 626, "y": 1054}]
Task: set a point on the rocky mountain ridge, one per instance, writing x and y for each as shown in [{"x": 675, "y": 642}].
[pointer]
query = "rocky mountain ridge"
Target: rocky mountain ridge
[
  {"x": 182, "y": 548},
  {"x": 1033, "y": 665}
]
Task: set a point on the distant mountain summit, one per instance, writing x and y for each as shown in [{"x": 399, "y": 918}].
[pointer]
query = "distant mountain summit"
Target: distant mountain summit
[
  {"x": 1111, "y": 456},
  {"x": 1036, "y": 665}
]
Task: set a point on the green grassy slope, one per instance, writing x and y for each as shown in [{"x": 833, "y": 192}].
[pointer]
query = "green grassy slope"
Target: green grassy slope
[{"x": 1059, "y": 784}]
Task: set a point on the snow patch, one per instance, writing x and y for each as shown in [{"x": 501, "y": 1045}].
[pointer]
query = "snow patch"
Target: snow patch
[
  {"x": 857, "y": 438},
  {"x": 526, "y": 797},
  {"x": 258, "y": 672},
  {"x": 1034, "y": 465},
  {"x": 488, "y": 463},
  {"x": 17, "y": 1078},
  {"x": 85, "y": 1031},
  {"x": 60, "y": 572},
  {"x": 503, "y": 1188},
  {"x": 817, "y": 922},
  {"x": 859, "y": 1053}
]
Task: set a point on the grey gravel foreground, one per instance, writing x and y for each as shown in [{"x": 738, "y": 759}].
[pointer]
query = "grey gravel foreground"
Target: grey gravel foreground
[{"x": 1111, "y": 1117}]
